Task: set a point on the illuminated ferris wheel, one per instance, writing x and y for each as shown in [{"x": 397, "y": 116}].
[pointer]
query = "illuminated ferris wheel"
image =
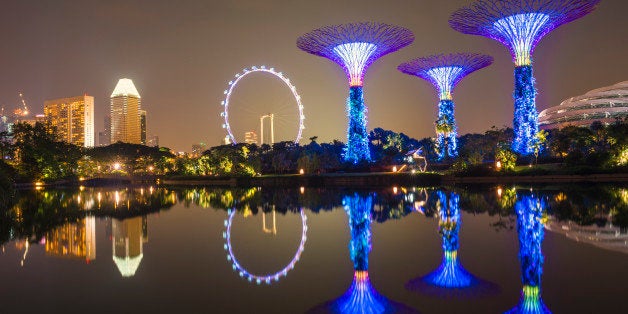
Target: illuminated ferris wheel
[
  {"x": 262, "y": 278},
  {"x": 289, "y": 119}
]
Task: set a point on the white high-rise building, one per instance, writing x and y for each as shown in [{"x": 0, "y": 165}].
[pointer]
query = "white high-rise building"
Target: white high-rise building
[{"x": 125, "y": 113}]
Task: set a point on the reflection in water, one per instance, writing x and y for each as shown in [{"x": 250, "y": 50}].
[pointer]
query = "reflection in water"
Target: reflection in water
[
  {"x": 450, "y": 274},
  {"x": 73, "y": 240},
  {"x": 128, "y": 240},
  {"x": 529, "y": 210},
  {"x": 267, "y": 278},
  {"x": 361, "y": 296}
]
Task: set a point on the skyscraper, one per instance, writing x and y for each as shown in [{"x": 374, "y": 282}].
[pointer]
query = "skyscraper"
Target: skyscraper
[
  {"x": 125, "y": 113},
  {"x": 104, "y": 137},
  {"x": 73, "y": 118},
  {"x": 143, "y": 127}
]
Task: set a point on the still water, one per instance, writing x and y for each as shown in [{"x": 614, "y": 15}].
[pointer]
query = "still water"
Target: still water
[{"x": 487, "y": 249}]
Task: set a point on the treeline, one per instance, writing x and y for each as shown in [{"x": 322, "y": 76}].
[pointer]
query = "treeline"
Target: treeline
[{"x": 33, "y": 153}]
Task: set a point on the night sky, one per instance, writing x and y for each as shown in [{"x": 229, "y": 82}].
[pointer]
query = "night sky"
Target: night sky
[{"x": 181, "y": 54}]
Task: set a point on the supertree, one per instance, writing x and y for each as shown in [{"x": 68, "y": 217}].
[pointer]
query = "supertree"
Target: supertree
[
  {"x": 529, "y": 210},
  {"x": 361, "y": 297},
  {"x": 444, "y": 72},
  {"x": 519, "y": 25},
  {"x": 355, "y": 47}
]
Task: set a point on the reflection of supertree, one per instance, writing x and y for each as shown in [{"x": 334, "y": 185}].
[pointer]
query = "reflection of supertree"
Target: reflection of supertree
[
  {"x": 450, "y": 276},
  {"x": 361, "y": 297},
  {"x": 444, "y": 72},
  {"x": 529, "y": 210},
  {"x": 519, "y": 25},
  {"x": 354, "y": 47}
]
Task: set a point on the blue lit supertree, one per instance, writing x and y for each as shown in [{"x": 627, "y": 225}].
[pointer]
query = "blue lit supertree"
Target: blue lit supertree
[
  {"x": 444, "y": 72},
  {"x": 519, "y": 25},
  {"x": 361, "y": 297},
  {"x": 529, "y": 210},
  {"x": 355, "y": 47}
]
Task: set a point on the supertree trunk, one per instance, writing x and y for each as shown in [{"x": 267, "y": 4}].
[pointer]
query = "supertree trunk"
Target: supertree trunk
[
  {"x": 525, "y": 122},
  {"x": 357, "y": 148}
]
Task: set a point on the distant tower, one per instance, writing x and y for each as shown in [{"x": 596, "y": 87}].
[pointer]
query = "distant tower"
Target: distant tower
[
  {"x": 73, "y": 119},
  {"x": 125, "y": 113},
  {"x": 104, "y": 137},
  {"x": 143, "y": 127},
  {"x": 444, "y": 72},
  {"x": 519, "y": 25},
  {"x": 355, "y": 47}
]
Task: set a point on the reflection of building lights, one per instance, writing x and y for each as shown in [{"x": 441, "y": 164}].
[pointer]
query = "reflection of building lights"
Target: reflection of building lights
[{"x": 302, "y": 189}]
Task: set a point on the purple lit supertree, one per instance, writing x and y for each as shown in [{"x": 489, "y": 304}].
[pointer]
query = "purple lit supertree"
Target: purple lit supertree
[
  {"x": 444, "y": 72},
  {"x": 519, "y": 25},
  {"x": 355, "y": 47}
]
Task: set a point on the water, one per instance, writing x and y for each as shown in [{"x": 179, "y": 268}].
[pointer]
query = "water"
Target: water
[{"x": 400, "y": 249}]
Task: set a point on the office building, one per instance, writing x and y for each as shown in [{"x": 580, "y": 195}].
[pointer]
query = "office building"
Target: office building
[
  {"x": 143, "y": 127},
  {"x": 125, "y": 113},
  {"x": 73, "y": 119}
]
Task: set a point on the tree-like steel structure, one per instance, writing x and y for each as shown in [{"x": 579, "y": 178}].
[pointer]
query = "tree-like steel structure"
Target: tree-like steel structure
[
  {"x": 445, "y": 72},
  {"x": 529, "y": 209},
  {"x": 355, "y": 47},
  {"x": 519, "y": 25}
]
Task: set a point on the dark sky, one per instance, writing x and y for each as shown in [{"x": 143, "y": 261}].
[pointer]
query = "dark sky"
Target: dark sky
[{"x": 181, "y": 54}]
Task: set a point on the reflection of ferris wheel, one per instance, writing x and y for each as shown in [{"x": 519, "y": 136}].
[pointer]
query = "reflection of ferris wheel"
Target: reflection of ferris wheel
[
  {"x": 239, "y": 76},
  {"x": 268, "y": 277}
]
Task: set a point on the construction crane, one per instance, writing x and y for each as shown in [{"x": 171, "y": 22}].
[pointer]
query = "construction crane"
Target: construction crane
[{"x": 21, "y": 112}]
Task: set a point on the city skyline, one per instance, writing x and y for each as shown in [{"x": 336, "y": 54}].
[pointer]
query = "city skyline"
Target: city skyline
[{"x": 182, "y": 63}]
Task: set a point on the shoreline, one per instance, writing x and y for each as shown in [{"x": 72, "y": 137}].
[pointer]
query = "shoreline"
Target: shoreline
[{"x": 336, "y": 180}]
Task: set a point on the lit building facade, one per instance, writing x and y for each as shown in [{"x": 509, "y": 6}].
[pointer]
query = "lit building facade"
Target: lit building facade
[
  {"x": 73, "y": 119},
  {"x": 250, "y": 137},
  {"x": 76, "y": 240},
  {"x": 606, "y": 104},
  {"x": 125, "y": 113}
]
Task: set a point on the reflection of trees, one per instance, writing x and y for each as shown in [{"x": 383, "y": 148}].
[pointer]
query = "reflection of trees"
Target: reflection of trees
[{"x": 38, "y": 212}]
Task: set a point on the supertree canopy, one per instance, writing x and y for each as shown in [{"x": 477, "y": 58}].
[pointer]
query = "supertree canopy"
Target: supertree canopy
[
  {"x": 520, "y": 25},
  {"x": 529, "y": 210},
  {"x": 444, "y": 72},
  {"x": 354, "y": 47}
]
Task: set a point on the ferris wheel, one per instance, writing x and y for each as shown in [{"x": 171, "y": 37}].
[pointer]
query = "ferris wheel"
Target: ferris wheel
[{"x": 295, "y": 132}]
